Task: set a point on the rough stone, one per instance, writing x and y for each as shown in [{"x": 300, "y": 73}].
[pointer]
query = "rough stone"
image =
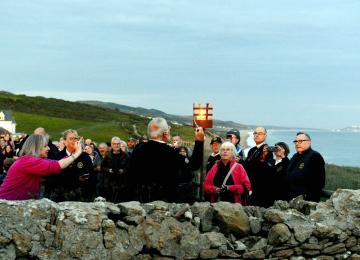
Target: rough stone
[
  {"x": 209, "y": 254},
  {"x": 204, "y": 211},
  {"x": 335, "y": 249},
  {"x": 42, "y": 229},
  {"x": 274, "y": 215},
  {"x": 232, "y": 218},
  {"x": 216, "y": 239},
  {"x": 257, "y": 254},
  {"x": 350, "y": 242},
  {"x": 278, "y": 234},
  {"x": 255, "y": 225},
  {"x": 284, "y": 253}
]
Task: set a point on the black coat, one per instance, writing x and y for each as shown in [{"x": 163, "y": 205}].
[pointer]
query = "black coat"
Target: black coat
[
  {"x": 114, "y": 180},
  {"x": 155, "y": 168},
  {"x": 306, "y": 175},
  {"x": 75, "y": 182},
  {"x": 260, "y": 173}
]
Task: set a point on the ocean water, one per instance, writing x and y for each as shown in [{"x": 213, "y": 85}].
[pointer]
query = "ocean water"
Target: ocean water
[{"x": 338, "y": 148}]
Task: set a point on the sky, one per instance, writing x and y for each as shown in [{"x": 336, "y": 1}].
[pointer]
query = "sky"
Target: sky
[{"x": 283, "y": 62}]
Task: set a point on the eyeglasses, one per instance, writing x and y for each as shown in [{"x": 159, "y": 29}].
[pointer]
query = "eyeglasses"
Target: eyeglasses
[
  {"x": 258, "y": 133},
  {"x": 299, "y": 141}
]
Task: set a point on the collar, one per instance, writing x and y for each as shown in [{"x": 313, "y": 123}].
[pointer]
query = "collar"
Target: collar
[
  {"x": 260, "y": 145},
  {"x": 213, "y": 155},
  {"x": 68, "y": 153}
]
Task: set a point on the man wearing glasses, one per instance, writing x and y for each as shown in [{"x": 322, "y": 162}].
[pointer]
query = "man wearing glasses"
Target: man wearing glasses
[
  {"x": 258, "y": 166},
  {"x": 76, "y": 182},
  {"x": 306, "y": 172}
]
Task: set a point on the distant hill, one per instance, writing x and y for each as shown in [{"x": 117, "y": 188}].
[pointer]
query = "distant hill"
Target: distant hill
[
  {"x": 350, "y": 129},
  {"x": 57, "y": 115},
  {"x": 219, "y": 125}
]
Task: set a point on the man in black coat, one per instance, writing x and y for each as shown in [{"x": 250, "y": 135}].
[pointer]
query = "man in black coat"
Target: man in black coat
[
  {"x": 155, "y": 165},
  {"x": 76, "y": 182},
  {"x": 258, "y": 166},
  {"x": 306, "y": 171}
]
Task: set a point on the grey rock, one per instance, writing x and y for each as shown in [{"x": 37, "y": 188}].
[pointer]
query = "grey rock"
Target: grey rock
[
  {"x": 283, "y": 253},
  {"x": 278, "y": 234},
  {"x": 255, "y": 225},
  {"x": 239, "y": 246},
  {"x": 302, "y": 205},
  {"x": 355, "y": 257},
  {"x": 274, "y": 215},
  {"x": 297, "y": 258},
  {"x": 355, "y": 249},
  {"x": 231, "y": 218},
  {"x": 335, "y": 249},
  {"x": 216, "y": 239},
  {"x": 131, "y": 208},
  {"x": 307, "y": 246},
  {"x": 204, "y": 211},
  {"x": 258, "y": 254},
  {"x": 311, "y": 252},
  {"x": 261, "y": 244},
  {"x": 209, "y": 254},
  {"x": 281, "y": 205},
  {"x": 350, "y": 242},
  {"x": 8, "y": 252}
]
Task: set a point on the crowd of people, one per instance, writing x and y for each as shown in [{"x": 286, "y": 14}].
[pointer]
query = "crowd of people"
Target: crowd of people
[{"x": 158, "y": 167}]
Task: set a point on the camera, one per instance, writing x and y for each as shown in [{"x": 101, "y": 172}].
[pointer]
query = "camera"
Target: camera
[{"x": 272, "y": 148}]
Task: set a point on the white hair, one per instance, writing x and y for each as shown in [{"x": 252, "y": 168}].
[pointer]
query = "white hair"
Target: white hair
[
  {"x": 115, "y": 138},
  {"x": 228, "y": 145},
  {"x": 161, "y": 127}
]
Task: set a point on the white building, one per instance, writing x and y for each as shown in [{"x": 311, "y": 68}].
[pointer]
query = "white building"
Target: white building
[{"x": 7, "y": 122}]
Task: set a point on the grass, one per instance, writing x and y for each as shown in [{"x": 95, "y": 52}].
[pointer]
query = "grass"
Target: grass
[{"x": 342, "y": 177}]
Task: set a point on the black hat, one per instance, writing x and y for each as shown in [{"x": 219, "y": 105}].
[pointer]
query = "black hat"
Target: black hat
[
  {"x": 234, "y": 132},
  {"x": 216, "y": 139}
]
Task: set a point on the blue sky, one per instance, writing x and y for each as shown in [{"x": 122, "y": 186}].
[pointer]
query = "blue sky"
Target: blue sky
[{"x": 286, "y": 63}]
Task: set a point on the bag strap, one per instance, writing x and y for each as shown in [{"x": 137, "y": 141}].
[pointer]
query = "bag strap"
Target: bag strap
[{"x": 229, "y": 173}]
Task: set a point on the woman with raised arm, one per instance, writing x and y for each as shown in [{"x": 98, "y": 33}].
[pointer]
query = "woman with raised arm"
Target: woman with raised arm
[{"x": 22, "y": 181}]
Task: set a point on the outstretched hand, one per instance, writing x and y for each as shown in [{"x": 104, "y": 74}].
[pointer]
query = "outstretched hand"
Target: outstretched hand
[{"x": 199, "y": 134}]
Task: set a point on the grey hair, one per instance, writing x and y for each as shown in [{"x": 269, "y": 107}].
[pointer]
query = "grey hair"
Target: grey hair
[
  {"x": 33, "y": 145},
  {"x": 162, "y": 127},
  {"x": 124, "y": 143},
  {"x": 105, "y": 144},
  {"x": 228, "y": 144},
  {"x": 69, "y": 131},
  {"x": 115, "y": 138},
  {"x": 304, "y": 133}
]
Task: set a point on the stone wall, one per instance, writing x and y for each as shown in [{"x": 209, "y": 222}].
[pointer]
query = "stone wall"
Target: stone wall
[{"x": 297, "y": 230}]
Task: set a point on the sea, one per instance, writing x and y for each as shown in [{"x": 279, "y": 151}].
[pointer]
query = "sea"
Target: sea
[{"x": 340, "y": 148}]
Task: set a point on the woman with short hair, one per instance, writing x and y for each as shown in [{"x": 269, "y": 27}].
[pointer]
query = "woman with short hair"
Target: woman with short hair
[
  {"x": 23, "y": 178},
  {"x": 237, "y": 182}
]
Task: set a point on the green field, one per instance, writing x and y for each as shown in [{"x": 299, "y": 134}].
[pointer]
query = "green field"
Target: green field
[{"x": 56, "y": 115}]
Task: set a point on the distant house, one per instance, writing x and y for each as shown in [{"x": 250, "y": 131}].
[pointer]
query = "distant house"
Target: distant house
[{"x": 7, "y": 122}]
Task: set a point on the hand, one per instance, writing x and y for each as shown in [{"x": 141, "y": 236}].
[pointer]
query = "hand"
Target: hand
[
  {"x": 218, "y": 190},
  {"x": 78, "y": 149},
  {"x": 199, "y": 134},
  {"x": 224, "y": 188}
]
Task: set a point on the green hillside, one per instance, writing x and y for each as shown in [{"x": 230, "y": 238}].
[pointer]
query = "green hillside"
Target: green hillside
[{"x": 56, "y": 115}]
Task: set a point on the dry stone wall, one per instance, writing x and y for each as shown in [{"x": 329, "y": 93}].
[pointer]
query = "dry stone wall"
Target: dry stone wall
[{"x": 42, "y": 229}]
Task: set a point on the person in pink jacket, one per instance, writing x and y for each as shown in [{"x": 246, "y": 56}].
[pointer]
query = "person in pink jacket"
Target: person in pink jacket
[
  {"x": 236, "y": 184},
  {"x": 23, "y": 179}
]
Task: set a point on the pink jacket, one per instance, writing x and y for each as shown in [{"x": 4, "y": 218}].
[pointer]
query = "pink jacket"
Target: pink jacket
[
  {"x": 239, "y": 176},
  {"x": 23, "y": 178}
]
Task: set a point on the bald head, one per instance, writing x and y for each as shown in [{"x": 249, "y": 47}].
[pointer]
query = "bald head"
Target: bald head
[{"x": 40, "y": 131}]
